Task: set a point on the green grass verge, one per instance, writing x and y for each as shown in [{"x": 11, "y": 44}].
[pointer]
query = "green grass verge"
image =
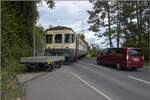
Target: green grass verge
[
  {"x": 10, "y": 88},
  {"x": 146, "y": 64},
  {"x": 91, "y": 56}
]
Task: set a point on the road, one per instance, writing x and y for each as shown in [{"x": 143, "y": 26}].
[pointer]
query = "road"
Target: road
[{"x": 85, "y": 80}]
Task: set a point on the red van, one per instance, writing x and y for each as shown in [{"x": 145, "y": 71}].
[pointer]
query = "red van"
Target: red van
[{"x": 122, "y": 58}]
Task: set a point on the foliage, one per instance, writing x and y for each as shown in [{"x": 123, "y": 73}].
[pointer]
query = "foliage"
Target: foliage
[
  {"x": 127, "y": 21},
  {"x": 10, "y": 89},
  {"x": 39, "y": 40},
  {"x": 136, "y": 33},
  {"x": 101, "y": 12},
  {"x": 94, "y": 50},
  {"x": 17, "y": 27},
  {"x": 51, "y": 4}
]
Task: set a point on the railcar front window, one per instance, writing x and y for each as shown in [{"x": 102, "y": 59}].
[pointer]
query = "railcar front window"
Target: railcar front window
[
  {"x": 69, "y": 38},
  {"x": 58, "y": 38},
  {"x": 49, "y": 38}
]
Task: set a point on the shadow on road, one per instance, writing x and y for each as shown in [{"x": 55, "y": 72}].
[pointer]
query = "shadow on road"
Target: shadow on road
[{"x": 123, "y": 70}]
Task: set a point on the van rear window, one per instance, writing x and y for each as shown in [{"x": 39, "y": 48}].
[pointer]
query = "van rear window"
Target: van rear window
[{"x": 134, "y": 52}]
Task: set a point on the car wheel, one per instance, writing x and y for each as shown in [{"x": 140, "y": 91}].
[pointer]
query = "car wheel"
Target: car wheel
[
  {"x": 98, "y": 62},
  {"x": 134, "y": 68}
]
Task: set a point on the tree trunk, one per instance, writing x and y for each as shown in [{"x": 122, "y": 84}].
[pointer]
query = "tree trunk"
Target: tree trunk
[
  {"x": 118, "y": 26},
  {"x": 139, "y": 19},
  {"x": 109, "y": 34}
]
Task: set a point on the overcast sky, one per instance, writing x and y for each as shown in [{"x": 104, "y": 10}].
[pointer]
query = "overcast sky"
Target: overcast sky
[{"x": 71, "y": 14}]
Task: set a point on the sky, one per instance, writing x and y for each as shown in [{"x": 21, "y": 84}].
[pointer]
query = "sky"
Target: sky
[{"x": 71, "y": 14}]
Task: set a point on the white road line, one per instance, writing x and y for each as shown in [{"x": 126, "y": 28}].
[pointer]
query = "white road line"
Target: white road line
[
  {"x": 138, "y": 79},
  {"x": 96, "y": 66},
  {"x": 95, "y": 89},
  {"x": 100, "y": 67}
]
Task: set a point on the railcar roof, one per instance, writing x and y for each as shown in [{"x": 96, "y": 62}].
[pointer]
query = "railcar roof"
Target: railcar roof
[{"x": 60, "y": 28}]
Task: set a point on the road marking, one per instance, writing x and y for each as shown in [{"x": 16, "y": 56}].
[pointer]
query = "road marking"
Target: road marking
[
  {"x": 100, "y": 67},
  {"x": 95, "y": 89},
  {"x": 138, "y": 79},
  {"x": 96, "y": 66}
]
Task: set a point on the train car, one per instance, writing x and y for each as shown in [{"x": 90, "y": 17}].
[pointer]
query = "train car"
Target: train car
[{"x": 64, "y": 41}]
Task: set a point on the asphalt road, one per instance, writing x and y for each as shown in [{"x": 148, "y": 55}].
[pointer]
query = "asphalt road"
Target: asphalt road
[{"x": 85, "y": 80}]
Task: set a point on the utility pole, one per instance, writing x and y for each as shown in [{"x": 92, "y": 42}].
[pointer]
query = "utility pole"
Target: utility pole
[
  {"x": 82, "y": 27},
  {"x": 34, "y": 41},
  {"x": 34, "y": 32}
]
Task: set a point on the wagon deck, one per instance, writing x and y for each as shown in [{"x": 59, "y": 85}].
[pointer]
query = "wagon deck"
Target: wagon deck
[{"x": 42, "y": 59}]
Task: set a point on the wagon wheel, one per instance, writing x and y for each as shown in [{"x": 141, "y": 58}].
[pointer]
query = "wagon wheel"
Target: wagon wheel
[
  {"x": 50, "y": 67},
  {"x": 60, "y": 63},
  {"x": 29, "y": 68}
]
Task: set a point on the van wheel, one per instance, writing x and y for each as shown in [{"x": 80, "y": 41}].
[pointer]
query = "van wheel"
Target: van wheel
[
  {"x": 118, "y": 66},
  {"x": 98, "y": 62},
  {"x": 134, "y": 68}
]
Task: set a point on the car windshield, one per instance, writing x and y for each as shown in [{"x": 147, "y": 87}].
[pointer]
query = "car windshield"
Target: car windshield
[
  {"x": 49, "y": 38},
  {"x": 134, "y": 52},
  {"x": 69, "y": 38}
]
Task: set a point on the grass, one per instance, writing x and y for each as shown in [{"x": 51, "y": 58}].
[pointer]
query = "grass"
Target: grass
[
  {"x": 10, "y": 88},
  {"x": 147, "y": 64},
  {"x": 90, "y": 56}
]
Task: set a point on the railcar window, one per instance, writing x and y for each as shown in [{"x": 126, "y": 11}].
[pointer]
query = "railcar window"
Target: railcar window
[
  {"x": 58, "y": 38},
  {"x": 49, "y": 38},
  {"x": 69, "y": 38}
]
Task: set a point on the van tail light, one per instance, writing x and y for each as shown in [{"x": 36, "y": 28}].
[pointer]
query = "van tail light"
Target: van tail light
[{"x": 127, "y": 57}]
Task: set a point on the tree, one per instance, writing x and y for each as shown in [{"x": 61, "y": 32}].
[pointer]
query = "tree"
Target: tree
[
  {"x": 39, "y": 40},
  {"x": 135, "y": 22},
  {"x": 101, "y": 12},
  {"x": 17, "y": 28}
]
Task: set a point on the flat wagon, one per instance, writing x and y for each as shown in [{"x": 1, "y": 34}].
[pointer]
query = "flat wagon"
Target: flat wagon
[{"x": 49, "y": 62}]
